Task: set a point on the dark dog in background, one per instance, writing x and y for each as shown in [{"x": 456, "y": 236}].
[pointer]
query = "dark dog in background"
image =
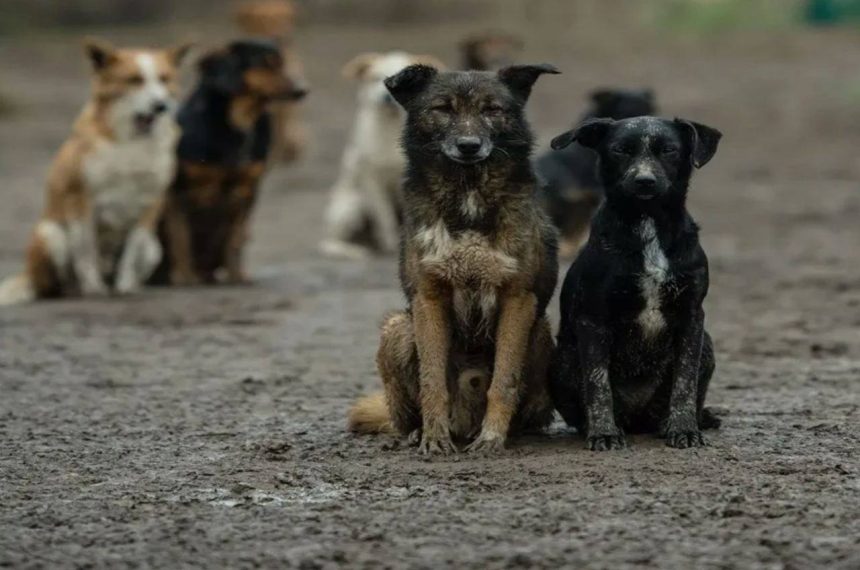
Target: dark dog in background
[
  {"x": 478, "y": 267},
  {"x": 490, "y": 51},
  {"x": 275, "y": 20},
  {"x": 571, "y": 189},
  {"x": 633, "y": 354},
  {"x": 222, "y": 156}
]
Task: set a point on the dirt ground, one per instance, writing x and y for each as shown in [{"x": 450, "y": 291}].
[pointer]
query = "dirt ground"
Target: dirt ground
[{"x": 206, "y": 427}]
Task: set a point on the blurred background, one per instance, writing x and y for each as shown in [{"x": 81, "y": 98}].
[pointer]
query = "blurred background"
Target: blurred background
[{"x": 778, "y": 77}]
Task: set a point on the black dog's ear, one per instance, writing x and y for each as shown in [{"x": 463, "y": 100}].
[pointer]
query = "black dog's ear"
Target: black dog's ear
[
  {"x": 409, "y": 82},
  {"x": 588, "y": 134},
  {"x": 603, "y": 97},
  {"x": 221, "y": 71},
  {"x": 703, "y": 141},
  {"x": 520, "y": 78}
]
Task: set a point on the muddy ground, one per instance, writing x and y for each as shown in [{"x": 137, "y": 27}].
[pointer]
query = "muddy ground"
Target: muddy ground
[{"x": 205, "y": 427}]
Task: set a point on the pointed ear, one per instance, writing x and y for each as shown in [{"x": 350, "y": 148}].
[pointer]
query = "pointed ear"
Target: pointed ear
[
  {"x": 100, "y": 53},
  {"x": 357, "y": 67},
  {"x": 411, "y": 81},
  {"x": 589, "y": 134},
  {"x": 520, "y": 78},
  {"x": 703, "y": 141},
  {"x": 219, "y": 70},
  {"x": 177, "y": 53},
  {"x": 602, "y": 97}
]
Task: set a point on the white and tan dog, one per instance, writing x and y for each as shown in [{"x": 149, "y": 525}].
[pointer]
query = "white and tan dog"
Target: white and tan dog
[
  {"x": 107, "y": 184},
  {"x": 363, "y": 215}
]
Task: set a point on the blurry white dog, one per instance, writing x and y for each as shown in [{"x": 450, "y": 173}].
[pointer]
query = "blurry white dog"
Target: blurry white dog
[{"x": 363, "y": 215}]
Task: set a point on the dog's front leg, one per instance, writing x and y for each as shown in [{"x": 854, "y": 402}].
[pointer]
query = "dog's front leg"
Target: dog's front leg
[
  {"x": 83, "y": 247},
  {"x": 236, "y": 239},
  {"x": 433, "y": 339},
  {"x": 142, "y": 251},
  {"x": 601, "y": 431},
  {"x": 516, "y": 320},
  {"x": 681, "y": 426}
]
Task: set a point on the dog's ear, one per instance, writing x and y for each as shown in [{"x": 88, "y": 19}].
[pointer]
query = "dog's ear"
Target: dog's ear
[
  {"x": 357, "y": 67},
  {"x": 520, "y": 78},
  {"x": 603, "y": 97},
  {"x": 177, "y": 53},
  {"x": 220, "y": 70},
  {"x": 589, "y": 134},
  {"x": 431, "y": 60},
  {"x": 702, "y": 140},
  {"x": 409, "y": 82},
  {"x": 100, "y": 53}
]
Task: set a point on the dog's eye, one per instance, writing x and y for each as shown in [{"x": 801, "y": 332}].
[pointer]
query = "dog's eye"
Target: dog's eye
[
  {"x": 164, "y": 78},
  {"x": 443, "y": 107},
  {"x": 492, "y": 109},
  {"x": 621, "y": 150},
  {"x": 135, "y": 80},
  {"x": 669, "y": 150}
]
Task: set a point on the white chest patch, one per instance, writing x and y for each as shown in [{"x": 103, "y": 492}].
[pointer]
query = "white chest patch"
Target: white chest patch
[
  {"x": 471, "y": 206},
  {"x": 125, "y": 178},
  {"x": 466, "y": 261},
  {"x": 654, "y": 274}
]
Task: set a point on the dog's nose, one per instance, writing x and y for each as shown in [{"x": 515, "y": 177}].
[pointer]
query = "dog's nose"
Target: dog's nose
[
  {"x": 468, "y": 146},
  {"x": 299, "y": 93},
  {"x": 645, "y": 181},
  {"x": 159, "y": 107}
]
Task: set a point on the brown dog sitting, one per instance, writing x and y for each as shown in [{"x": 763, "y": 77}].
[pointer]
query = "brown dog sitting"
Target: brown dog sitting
[
  {"x": 274, "y": 20},
  {"x": 222, "y": 155}
]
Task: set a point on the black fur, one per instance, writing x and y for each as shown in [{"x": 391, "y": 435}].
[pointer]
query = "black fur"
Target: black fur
[
  {"x": 609, "y": 375},
  {"x": 570, "y": 188},
  {"x": 231, "y": 153}
]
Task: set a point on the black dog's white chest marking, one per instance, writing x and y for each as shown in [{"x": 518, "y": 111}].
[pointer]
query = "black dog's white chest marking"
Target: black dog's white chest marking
[{"x": 655, "y": 273}]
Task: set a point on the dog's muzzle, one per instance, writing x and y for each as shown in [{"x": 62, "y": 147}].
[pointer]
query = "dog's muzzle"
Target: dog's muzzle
[{"x": 467, "y": 149}]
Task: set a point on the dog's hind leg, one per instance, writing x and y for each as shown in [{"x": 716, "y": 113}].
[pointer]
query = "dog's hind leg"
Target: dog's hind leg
[
  {"x": 535, "y": 411},
  {"x": 397, "y": 361},
  {"x": 49, "y": 260}
]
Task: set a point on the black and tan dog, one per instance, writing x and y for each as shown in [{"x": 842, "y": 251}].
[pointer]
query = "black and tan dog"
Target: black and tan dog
[
  {"x": 570, "y": 188},
  {"x": 469, "y": 356},
  {"x": 633, "y": 354},
  {"x": 222, "y": 156}
]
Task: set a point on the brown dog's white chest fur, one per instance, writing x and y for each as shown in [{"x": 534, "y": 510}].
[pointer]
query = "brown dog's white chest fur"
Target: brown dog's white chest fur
[
  {"x": 124, "y": 179},
  {"x": 470, "y": 264}
]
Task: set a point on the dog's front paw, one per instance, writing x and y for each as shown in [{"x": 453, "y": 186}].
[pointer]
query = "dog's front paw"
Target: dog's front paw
[
  {"x": 685, "y": 439},
  {"x": 487, "y": 442},
  {"x": 94, "y": 287},
  {"x": 436, "y": 441},
  {"x": 682, "y": 433},
  {"x": 605, "y": 441},
  {"x": 127, "y": 283}
]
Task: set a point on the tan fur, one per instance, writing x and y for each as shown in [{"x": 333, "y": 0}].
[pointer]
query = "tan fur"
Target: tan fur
[
  {"x": 370, "y": 415},
  {"x": 108, "y": 179}
]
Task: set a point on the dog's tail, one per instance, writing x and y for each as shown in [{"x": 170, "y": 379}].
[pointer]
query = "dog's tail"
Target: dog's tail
[
  {"x": 369, "y": 414},
  {"x": 16, "y": 290}
]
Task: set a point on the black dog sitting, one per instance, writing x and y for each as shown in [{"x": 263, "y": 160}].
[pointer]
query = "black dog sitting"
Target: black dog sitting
[
  {"x": 632, "y": 350},
  {"x": 570, "y": 190}
]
